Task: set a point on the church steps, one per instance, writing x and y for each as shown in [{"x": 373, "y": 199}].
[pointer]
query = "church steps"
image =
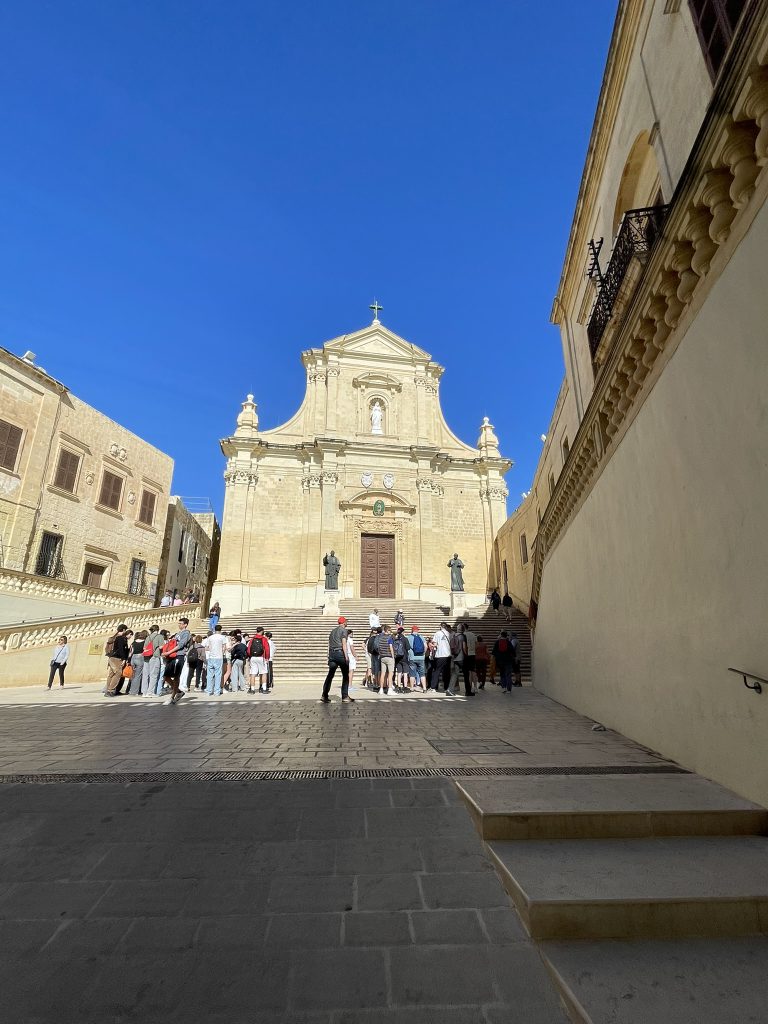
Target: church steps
[{"x": 301, "y": 635}]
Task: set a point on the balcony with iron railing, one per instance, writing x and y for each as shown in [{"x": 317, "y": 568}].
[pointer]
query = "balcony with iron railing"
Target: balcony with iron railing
[{"x": 639, "y": 231}]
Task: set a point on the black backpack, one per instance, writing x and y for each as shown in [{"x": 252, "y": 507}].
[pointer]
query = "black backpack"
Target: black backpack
[
  {"x": 400, "y": 647},
  {"x": 256, "y": 647},
  {"x": 193, "y": 657},
  {"x": 371, "y": 645}
]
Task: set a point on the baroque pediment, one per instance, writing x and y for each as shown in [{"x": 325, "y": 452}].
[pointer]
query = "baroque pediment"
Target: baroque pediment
[
  {"x": 379, "y": 380},
  {"x": 378, "y": 342}
]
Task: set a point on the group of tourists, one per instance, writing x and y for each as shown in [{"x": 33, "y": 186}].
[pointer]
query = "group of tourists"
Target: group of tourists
[
  {"x": 156, "y": 663},
  {"x": 400, "y": 660},
  {"x": 174, "y": 600}
]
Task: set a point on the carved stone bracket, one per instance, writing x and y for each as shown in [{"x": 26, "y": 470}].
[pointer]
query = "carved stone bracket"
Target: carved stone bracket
[
  {"x": 246, "y": 477},
  {"x": 427, "y": 483}
]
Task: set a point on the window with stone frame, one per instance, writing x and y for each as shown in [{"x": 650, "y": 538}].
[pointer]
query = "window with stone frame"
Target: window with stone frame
[
  {"x": 715, "y": 22},
  {"x": 523, "y": 549},
  {"x": 147, "y": 508},
  {"x": 10, "y": 443},
  {"x": 551, "y": 484},
  {"x": 111, "y": 491},
  {"x": 65, "y": 477}
]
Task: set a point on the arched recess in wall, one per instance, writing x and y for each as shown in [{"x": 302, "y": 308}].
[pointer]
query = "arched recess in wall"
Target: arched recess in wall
[{"x": 640, "y": 181}]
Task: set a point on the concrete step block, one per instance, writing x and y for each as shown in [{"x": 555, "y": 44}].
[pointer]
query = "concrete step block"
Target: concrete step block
[
  {"x": 693, "y": 981},
  {"x": 637, "y": 888},
  {"x": 608, "y": 806}
]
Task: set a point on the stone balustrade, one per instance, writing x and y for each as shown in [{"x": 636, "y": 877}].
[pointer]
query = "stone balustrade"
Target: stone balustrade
[
  {"x": 29, "y": 585},
  {"x": 725, "y": 169},
  {"x": 14, "y": 638}
]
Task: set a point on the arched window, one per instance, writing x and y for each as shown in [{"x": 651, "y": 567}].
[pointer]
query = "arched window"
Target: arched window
[{"x": 639, "y": 185}]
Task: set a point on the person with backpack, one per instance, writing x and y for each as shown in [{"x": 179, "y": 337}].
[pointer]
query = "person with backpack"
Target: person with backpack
[
  {"x": 238, "y": 657},
  {"x": 117, "y": 652},
  {"x": 504, "y": 656},
  {"x": 338, "y": 657},
  {"x": 152, "y": 663},
  {"x": 401, "y": 650},
  {"x": 175, "y": 653},
  {"x": 442, "y": 667},
  {"x": 196, "y": 663},
  {"x": 385, "y": 651},
  {"x": 374, "y": 662},
  {"x": 418, "y": 657},
  {"x": 258, "y": 653}
]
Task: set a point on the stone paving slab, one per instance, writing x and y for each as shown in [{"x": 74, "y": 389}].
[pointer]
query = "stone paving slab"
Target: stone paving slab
[
  {"x": 142, "y": 735},
  {"x": 177, "y": 903}
]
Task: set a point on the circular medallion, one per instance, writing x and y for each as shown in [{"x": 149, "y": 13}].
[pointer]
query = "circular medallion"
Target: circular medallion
[
  {"x": 389, "y": 480},
  {"x": 366, "y": 479},
  {"x": 378, "y": 508}
]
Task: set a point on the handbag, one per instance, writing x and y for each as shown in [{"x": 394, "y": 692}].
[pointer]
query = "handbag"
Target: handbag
[{"x": 127, "y": 672}]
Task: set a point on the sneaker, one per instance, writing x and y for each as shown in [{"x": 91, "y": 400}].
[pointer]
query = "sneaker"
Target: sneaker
[
  {"x": 325, "y": 700},
  {"x": 347, "y": 700},
  {"x": 177, "y": 698}
]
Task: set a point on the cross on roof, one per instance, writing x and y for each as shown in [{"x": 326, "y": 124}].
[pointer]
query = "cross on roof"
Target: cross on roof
[{"x": 376, "y": 310}]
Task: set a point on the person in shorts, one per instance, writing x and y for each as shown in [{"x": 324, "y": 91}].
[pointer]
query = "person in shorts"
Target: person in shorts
[{"x": 258, "y": 653}]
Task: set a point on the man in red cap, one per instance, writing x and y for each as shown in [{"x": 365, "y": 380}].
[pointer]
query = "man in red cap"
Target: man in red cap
[{"x": 338, "y": 657}]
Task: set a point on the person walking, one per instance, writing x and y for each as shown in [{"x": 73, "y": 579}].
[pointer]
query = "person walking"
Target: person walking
[
  {"x": 442, "y": 667},
  {"x": 373, "y": 619},
  {"x": 516, "y": 666},
  {"x": 338, "y": 657},
  {"x": 496, "y": 600},
  {"x": 504, "y": 656},
  {"x": 458, "y": 645},
  {"x": 506, "y": 603},
  {"x": 123, "y": 677},
  {"x": 215, "y": 645},
  {"x": 385, "y": 651},
  {"x": 59, "y": 661},
  {"x": 213, "y": 616},
  {"x": 351, "y": 655},
  {"x": 117, "y": 652},
  {"x": 175, "y": 651},
  {"x": 481, "y": 662}
]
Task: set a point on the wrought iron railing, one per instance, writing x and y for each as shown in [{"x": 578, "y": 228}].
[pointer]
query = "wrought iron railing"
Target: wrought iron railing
[{"x": 636, "y": 237}]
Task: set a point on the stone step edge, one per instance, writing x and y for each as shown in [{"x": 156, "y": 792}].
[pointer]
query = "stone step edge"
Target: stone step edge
[
  {"x": 661, "y": 918},
  {"x": 612, "y": 824}
]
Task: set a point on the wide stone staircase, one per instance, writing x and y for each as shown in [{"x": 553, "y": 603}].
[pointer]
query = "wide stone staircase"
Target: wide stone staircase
[
  {"x": 301, "y": 635},
  {"x": 648, "y": 894}
]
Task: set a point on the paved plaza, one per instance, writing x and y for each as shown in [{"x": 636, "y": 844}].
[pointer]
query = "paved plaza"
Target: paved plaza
[{"x": 321, "y": 901}]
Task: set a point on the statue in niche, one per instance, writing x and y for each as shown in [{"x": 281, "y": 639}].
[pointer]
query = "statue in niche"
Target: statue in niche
[
  {"x": 457, "y": 580},
  {"x": 377, "y": 418},
  {"x": 332, "y": 570}
]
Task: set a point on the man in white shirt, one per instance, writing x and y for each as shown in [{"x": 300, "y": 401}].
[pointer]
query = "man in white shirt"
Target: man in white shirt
[
  {"x": 442, "y": 642},
  {"x": 373, "y": 619},
  {"x": 166, "y": 601},
  {"x": 214, "y": 645}
]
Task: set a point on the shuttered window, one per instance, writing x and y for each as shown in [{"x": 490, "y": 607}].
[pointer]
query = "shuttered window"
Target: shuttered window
[
  {"x": 111, "y": 490},
  {"x": 10, "y": 442},
  {"x": 715, "y": 22},
  {"x": 147, "y": 508},
  {"x": 66, "y": 471}
]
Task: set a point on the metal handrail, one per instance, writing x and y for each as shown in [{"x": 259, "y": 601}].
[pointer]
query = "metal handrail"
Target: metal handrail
[{"x": 750, "y": 675}]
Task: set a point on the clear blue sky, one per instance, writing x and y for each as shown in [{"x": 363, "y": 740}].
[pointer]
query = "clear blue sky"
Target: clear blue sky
[{"x": 194, "y": 192}]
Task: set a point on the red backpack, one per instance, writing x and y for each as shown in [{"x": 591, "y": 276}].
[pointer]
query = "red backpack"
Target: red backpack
[{"x": 169, "y": 649}]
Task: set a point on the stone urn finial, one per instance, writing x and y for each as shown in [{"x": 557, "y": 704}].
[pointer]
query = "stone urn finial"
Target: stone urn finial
[
  {"x": 488, "y": 443},
  {"x": 248, "y": 419}
]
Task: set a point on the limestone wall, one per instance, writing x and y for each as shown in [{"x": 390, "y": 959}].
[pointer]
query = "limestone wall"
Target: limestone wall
[{"x": 659, "y": 583}]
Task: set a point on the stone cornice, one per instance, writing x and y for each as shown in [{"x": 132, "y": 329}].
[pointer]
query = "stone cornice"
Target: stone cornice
[{"x": 715, "y": 199}]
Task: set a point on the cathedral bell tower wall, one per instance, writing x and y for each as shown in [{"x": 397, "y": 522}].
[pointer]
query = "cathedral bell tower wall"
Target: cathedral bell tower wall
[{"x": 367, "y": 468}]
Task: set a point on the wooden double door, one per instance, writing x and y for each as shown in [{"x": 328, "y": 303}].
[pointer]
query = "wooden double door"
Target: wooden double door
[{"x": 377, "y": 565}]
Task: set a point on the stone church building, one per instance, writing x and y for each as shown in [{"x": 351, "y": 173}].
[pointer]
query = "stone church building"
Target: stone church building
[{"x": 368, "y": 468}]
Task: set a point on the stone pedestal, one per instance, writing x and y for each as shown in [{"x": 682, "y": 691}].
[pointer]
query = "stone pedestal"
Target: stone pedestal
[
  {"x": 458, "y": 603},
  {"x": 331, "y": 603}
]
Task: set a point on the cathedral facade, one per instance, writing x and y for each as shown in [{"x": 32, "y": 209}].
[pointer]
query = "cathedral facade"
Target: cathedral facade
[{"x": 367, "y": 468}]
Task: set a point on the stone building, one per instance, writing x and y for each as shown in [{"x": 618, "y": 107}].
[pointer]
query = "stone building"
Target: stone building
[
  {"x": 649, "y": 568},
  {"x": 82, "y": 499},
  {"x": 368, "y": 468},
  {"x": 190, "y": 548}
]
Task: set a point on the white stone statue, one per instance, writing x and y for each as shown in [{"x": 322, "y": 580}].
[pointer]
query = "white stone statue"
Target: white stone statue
[{"x": 377, "y": 418}]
